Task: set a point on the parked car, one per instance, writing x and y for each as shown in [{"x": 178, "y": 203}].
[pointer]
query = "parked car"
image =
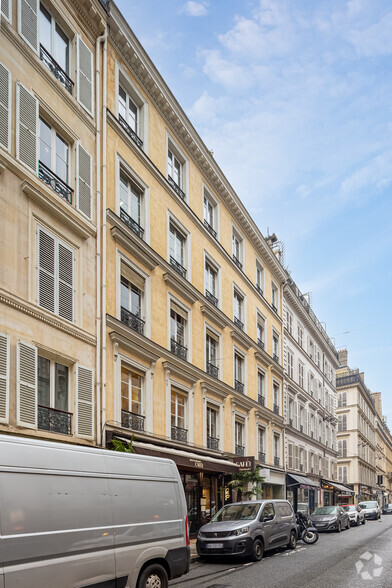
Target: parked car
[
  {"x": 80, "y": 516},
  {"x": 248, "y": 528},
  {"x": 371, "y": 509},
  {"x": 356, "y": 515},
  {"x": 330, "y": 518},
  {"x": 387, "y": 509}
]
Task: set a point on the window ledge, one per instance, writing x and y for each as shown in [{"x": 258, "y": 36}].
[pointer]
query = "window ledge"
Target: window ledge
[
  {"x": 239, "y": 338},
  {"x": 214, "y": 315},
  {"x": 128, "y": 239}
]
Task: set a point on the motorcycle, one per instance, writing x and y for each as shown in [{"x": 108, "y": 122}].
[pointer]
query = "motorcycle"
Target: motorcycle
[{"x": 306, "y": 532}]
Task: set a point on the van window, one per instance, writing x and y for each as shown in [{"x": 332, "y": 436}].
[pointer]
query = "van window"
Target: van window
[
  {"x": 284, "y": 509},
  {"x": 237, "y": 512},
  {"x": 268, "y": 510}
]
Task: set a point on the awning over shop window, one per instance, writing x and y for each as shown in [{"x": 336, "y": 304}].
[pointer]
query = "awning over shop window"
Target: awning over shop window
[
  {"x": 339, "y": 487},
  {"x": 303, "y": 481}
]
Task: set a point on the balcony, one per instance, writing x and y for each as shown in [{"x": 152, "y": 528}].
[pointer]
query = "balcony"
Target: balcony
[
  {"x": 132, "y": 320},
  {"x": 179, "y": 434},
  {"x": 132, "y": 224},
  {"x": 260, "y": 291},
  {"x": 276, "y": 408},
  {"x": 57, "y": 184},
  {"x": 262, "y": 456},
  {"x": 239, "y": 386},
  {"x": 178, "y": 349},
  {"x": 239, "y": 450},
  {"x": 131, "y": 420},
  {"x": 212, "y": 370},
  {"x": 261, "y": 399},
  {"x": 211, "y": 298},
  {"x": 213, "y": 443},
  {"x": 178, "y": 267},
  {"x": 237, "y": 261},
  {"x": 260, "y": 343},
  {"x": 54, "y": 420},
  {"x": 176, "y": 188},
  {"x": 130, "y": 132},
  {"x": 276, "y": 461},
  {"x": 209, "y": 228},
  {"x": 56, "y": 69},
  {"x": 238, "y": 323}
]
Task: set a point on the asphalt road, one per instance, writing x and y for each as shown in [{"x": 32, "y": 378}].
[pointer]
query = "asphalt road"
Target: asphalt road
[{"x": 355, "y": 558}]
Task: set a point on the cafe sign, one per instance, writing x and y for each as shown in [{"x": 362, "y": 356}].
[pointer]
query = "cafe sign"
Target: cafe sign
[{"x": 246, "y": 464}]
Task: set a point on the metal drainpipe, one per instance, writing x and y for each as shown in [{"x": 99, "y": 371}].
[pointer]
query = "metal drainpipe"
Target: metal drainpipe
[
  {"x": 99, "y": 40},
  {"x": 103, "y": 235}
]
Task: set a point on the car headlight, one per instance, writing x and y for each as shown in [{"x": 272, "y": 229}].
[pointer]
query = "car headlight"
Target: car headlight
[{"x": 241, "y": 531}]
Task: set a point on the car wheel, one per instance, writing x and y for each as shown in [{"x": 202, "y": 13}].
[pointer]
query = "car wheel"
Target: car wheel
[
  {"x": 364, "y": 521},
  {"x": 339, "y": 527},
  {"x": 257, "y": 550},
  {"x": 292, "y": 544},
  {"x": 153, "y": 576}
]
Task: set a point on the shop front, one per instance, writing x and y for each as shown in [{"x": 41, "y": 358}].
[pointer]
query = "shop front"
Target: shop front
[
  {"x": 302, "y": 492},
  {"x": 274, "y": 485},
  {"x": 334, "y": 493}
]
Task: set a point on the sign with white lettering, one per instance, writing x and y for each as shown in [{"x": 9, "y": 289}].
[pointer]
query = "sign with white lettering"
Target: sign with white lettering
[{"x": 246, "y": 463}]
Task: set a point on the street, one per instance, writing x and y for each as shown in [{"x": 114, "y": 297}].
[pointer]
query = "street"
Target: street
[{"x": 359, "y": 556}]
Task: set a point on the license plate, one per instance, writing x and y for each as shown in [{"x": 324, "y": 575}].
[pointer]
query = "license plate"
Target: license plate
[{"x": 214, "y": 546}]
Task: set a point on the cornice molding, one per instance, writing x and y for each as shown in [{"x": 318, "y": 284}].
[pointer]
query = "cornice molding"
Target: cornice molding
[
  {"x": 240, "y": 339},
  {"x": 185, "y": 290},
  {"x": 215, "y": 315},
  {"x": 128, "y": 344}
]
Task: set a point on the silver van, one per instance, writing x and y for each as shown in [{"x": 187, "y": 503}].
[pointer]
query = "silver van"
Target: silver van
[
  {"x": 248, "y": 529},
  {"x": 77, "y": 517}
]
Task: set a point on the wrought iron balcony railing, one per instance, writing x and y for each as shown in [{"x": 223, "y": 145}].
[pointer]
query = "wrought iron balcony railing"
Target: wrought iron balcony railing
[
  {"x": 240, "y": 450},
  {"x": 179, "y": 434},
  {"x": 276, "y": 461},
  {"x": 54, "y": 420},
  {"x": 211, "y": 298},
  {"x": 237, "y": 261},
  {"x": 262, "y": 456},
  {"x": 178, "y": 267},
  {"x": 261, "y": 399},
  {"x": 56, "y": 69},
  {"x": 213, "y": 443},
  {"x": 132, "y": 224},
  {"x": 212, "y": 370},
  {"x": 239, "y": 386},
  {"x": 132, "y": 320},
  {"x": 57, "y": 184},
  {"x": 260, "y": 343},
  {"x": 131, "y": 420},
  {"x": 276, "y": 408},
  {"x": 209, "y": 228},
  {"x": 178, "y": 349},
  {"x": 259, "y": 289},
  {"x": 130, "y": 132},
  {"x": 176, "y": 188},
  {"x": 238, "y": 323}
]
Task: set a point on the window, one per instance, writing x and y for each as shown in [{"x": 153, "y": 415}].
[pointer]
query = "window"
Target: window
[
  {"x": 238, "y": 372},
  {"x": 311, "y": 348},
  {"x": 260, "y": 328},
  {"x": 261, "y": 387},
  {"x": 291, "y": 412},
  {"x": 54, "y": 48},
  {"x": 55, "y": 279},
  {"x": 289, "y": 322},
  {"x": 276, "y": 450},
  {"x": 237, "y": 248},
  {"x": 276, "y": 397},
  {"x": 212, "y": 430},
  {"x": 209, "y": 213},
  {"x": 300, "y": 335},
  {"x": 53, "y": 165},
  {"x": 301, "y": 374},
  {"x": 261, "y": 444},
  {"x": 131, "y": 298},
  {"x": 259, "y": 278},
  {"x": 177, "y": 250},
  {"x": 275, "y": 346},
  {"x": 210, "y": 280},
  {"x": 238, "y": 312},
  {"x": 342, "y": 422},
  {"x": 128, "y": 110},
  {"x": 131, "y": 399},
  {"x": 132, "y": 109},
  {"x": 274, "y": 297},
  {"x": 290, "y": 364},
  {"x": 342, "y": 399},
  {"x": 131, "y": 201},
  {"x": 239, "y": 438},
  {"x": 342, "y": 474},
  {"x": 178, "y": 428},
  {"x": 177, "y": 167},
  {"x": 53, "y": 397},
  {"x": 178, "y": 323}
]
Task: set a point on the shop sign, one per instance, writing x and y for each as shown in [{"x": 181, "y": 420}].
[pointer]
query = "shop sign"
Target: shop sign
[
  {"x": 198, "y": 464},
  {"x": 246, "y": 463},
  {"x": 265, "y": 473}
]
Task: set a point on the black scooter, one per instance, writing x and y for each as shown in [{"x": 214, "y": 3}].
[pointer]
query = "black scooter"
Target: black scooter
[{"x": 306, "y": 532}]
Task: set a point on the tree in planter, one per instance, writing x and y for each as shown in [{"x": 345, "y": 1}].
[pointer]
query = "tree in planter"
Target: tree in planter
[
  {"x": 123, "y": 446},
  {"x": 242, "y": 481}
]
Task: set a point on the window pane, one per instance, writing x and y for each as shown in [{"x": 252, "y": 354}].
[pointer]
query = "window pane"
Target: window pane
[
  {"x": 43, "y": 381},
  {"x": 124, "y": 193},
  {"x": 60, "y": 48},
  {"x": 124, "y": 293},
  {"x": 136, "y": 393},
  {"x": 61, "y": 159},
  {"x": 124, "y": 389},
  {"x": 122, "y": 102},
  {"x": 135, "y": 205},
  {"x": 132, "y": 115},
  {"x": 45, "y": 29},
  {"x": 135, "y": 301},
  {"x": 45, "y": 150},
  {"x": 61, "y": 387}
]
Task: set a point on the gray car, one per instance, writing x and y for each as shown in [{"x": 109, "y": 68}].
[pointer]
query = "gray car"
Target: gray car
[
  {"x": 387, "y": 509},
  {"x": 371, "y": 509},
  {"x": 249, "y": 528},
  {"x": 330, "y": 518}
]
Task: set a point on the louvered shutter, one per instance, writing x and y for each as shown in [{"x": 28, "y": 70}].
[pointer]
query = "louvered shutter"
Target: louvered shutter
[
  {"x": 84, "y": 402},
  {"x": 4, "y": 377},
  {"x": 65, "y": 284},
  {"x": 296, "y": 456},
  {"x": 84, "y": 174},
  {"x": 5, "y": 107},
  {"x": 85, "y": 76},
  {"x": 6, "y": 9},
  {"x": 28, "y": 22},
  {"x": 46, "y": 271},
  {"x": 27, "y": 385},
  {"x": 290, "y": 464},
  {"x": 26, "y": 127}
]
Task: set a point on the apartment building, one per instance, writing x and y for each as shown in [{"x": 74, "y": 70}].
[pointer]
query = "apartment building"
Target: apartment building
[
  {"x": 310, "y": 361},
  {"x": 383, "y": 454},
  {"x": 356, "y": 436},
  {"x": 48, "y": 221}
]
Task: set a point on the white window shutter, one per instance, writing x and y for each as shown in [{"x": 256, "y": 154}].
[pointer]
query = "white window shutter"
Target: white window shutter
[
  {"x": 26, "y": 127},
  {"x": 4, "y": 377},
  {"x": 85, "y": 76},
  {"x": 6, "y": 9},
  {"x": 84, "y": 181},
  {"x": 66, "y": 279},
  {"x": 46, "y": 271},
  {"x": 28, "y": 22},
  {"x": 84, "y": 402},
  {"x": 27, "y": 385},
  {"x": 5, "y": 107}
]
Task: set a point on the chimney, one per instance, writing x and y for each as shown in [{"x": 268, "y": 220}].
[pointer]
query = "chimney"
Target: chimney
[{"x": 343, "y": 358}]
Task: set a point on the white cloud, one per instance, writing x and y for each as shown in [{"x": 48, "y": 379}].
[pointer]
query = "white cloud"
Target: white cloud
[
  {"x": 375, "y": 39},
  {"x": 193, "y": 8},
  {"x": 376, "y": 173}
]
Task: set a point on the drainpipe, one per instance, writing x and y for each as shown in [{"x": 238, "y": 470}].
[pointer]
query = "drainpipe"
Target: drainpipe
[
  {"x": 98, "y": 379},
  {"x": 103, "y": 236}
]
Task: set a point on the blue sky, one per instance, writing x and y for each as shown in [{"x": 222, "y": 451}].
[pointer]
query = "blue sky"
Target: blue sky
[{"x": 295, "y": 98}]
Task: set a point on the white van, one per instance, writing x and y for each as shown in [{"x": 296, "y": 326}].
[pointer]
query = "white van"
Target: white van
[{"x": 78, "y": 517}]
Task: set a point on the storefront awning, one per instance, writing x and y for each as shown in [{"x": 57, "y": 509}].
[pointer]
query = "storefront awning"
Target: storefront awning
[
  {"x": 186, "y": 459},
  {"x": 303, "y": 481},
  {"x": 339, "y": 487}
]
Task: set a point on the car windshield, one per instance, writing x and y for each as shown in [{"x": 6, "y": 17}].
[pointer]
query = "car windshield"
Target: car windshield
[
  {"x": 237, "y": 512},
  {"x": 368, "y": 504},
  {"x": 349, "y": 507},
  {"x": 325, "y": 510}
]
